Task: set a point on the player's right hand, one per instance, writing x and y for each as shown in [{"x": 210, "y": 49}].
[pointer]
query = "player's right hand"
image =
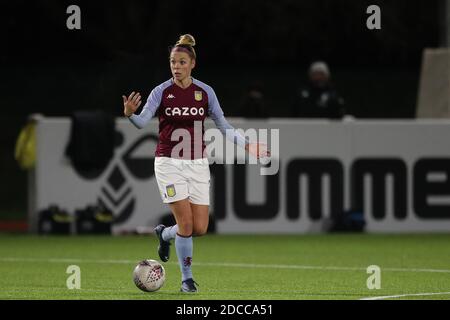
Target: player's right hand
[
  {"x": 131, "y": 104},
  {"x": 259, "y": 150}
]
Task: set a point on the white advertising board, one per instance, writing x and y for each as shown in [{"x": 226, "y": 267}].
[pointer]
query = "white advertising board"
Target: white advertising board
[{"x": 396, "y": 172}]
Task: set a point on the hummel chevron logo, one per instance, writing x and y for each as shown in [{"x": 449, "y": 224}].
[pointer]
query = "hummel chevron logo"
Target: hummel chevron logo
[{"x": 170, "y": 96}]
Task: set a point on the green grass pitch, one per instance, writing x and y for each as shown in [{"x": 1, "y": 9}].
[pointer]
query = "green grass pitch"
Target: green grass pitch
[{"x": 255, "y": 267}]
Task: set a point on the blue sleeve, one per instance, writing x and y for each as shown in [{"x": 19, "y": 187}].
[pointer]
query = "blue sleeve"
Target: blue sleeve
[
  {"x": 149, "y": 109},
  {"x": 216, "y": 114}
]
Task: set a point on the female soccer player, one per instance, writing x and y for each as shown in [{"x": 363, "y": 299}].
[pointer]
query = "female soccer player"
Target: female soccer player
[{"x": 183, "y": 180}]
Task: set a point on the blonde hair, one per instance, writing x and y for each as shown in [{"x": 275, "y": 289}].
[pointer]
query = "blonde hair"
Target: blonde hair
[{"x": 187, "y": 42}]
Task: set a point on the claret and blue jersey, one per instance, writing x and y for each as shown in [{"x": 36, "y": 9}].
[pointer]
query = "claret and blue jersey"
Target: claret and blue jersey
[{"x": 179, "y": 108}]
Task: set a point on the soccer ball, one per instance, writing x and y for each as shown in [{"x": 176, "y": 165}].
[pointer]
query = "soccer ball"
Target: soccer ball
[{"x": 149, "y": 275}]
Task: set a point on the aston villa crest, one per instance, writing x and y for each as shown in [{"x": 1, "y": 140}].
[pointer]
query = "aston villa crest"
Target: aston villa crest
[
  {"x": 198, "y": 95},
  {"x": 171, "y": 190}
]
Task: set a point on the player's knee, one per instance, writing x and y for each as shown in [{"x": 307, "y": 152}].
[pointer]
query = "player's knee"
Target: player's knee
[
  {"x": 185, "y": 228},
  {"x": 200, "y": 230}
]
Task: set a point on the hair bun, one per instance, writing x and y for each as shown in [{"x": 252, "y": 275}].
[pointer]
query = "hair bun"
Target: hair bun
[{"x": 186, "y": 40}]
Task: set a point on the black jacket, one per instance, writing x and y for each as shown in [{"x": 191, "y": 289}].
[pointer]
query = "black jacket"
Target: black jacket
[{"x": 318, "y": 102}]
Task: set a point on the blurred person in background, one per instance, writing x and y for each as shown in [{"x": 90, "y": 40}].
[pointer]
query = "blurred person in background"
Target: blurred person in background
[{"x": 318, "y": 98}]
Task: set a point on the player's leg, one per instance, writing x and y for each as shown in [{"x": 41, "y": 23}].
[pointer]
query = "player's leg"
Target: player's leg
[
  {"x": 183, "y": 216},
  {"x": 183, "y": 242},
  {"x": 198, "y": 189},
  {"x": 199, "y": 204},
  {"x": 173, "y": 188},
  {"x": 200, "y": 215},
  {"x": 168, "y": 233}
]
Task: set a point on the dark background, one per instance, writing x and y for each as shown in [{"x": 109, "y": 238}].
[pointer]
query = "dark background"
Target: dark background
[{"x": 123, "y": 46}]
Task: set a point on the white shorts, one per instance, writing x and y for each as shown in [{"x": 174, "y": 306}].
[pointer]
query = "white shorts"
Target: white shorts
[{"x": 183, "y": 179}]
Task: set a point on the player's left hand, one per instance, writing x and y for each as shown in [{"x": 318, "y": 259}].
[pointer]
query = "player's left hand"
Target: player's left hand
[{"x": 259, "y": 150}]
